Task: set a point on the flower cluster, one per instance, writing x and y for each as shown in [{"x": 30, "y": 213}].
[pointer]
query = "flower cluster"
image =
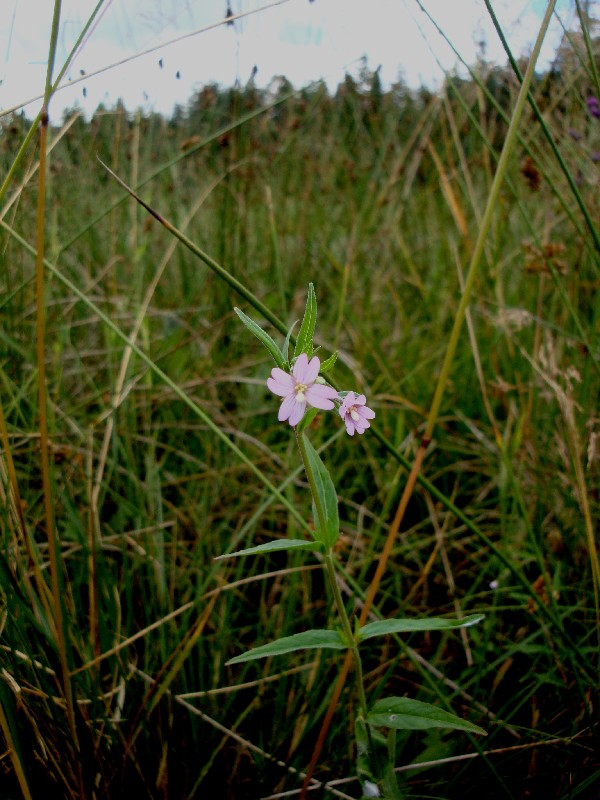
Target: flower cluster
[{"x": 303, "y": 388}]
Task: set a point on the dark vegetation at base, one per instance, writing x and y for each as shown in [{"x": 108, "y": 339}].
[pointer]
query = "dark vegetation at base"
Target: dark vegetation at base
[{"x": 358, "y": 208}]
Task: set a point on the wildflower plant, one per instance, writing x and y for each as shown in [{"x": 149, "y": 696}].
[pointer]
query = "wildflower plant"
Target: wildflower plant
[{"x": 299, "y": 380}]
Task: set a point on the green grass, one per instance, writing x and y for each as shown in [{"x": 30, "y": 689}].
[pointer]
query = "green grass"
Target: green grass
[{"x": 377, "y": 198}]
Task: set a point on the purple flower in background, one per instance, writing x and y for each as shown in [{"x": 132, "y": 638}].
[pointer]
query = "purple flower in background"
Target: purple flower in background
[
  {"x": 355, "y": 413},
  {"x": 593, "y": 106},
  {"x": 299, "y": 389}
]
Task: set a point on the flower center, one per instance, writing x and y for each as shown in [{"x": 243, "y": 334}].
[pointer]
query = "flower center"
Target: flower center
[
  {"x": 354, "y": 414},
  {"x": 300, "y": 389}
]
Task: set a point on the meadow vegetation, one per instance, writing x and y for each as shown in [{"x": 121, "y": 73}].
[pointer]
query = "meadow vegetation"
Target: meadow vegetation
[{"x": 115, "y": 619}]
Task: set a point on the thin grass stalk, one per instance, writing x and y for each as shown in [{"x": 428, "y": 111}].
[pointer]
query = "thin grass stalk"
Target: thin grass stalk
[
  {"x": 14, "y": 755},
  {"x": 584, "y": 21},
  {"x": 343, "y": 291},
  {"x": 36, "y": 122},
  {"x": 172, "y": 162},
  {"x": 478, "y": 367},
  {"x": 486, "y": 222},
  {"x": 277, "y": 265},
  {"x": 500, "y": 111},
  {"x": 177, "y": 391},
  {"x": 15, "y": 503},
  {"x": 208, "y": 260},
  {"x": 462, "y": 158},
  {"x": 551, "y": 268},
  {"x": 567, "y": 407},
  {"x": 169, "y": 672},
  {"x": 443, "y": 377},
  {"x": 570, "y": 180},
  {"x": 51, "y": 533}
]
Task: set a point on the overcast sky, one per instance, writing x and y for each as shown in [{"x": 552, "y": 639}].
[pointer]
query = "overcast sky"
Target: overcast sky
[{"x": 299, "y": 39}]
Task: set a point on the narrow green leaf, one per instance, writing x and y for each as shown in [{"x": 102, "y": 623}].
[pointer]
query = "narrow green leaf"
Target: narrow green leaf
[
  {"x": 327, "y": 496},
  {"x": 304, "y": 342},
  {"x": 270, "y": 547},
  {"x": 262, "y": 336},
  {"x": 307, "y": 640},
  {"x": 386, "y": 626},
  {"x": 403, "y": 713},
  {"x": 328, "y": 363},
  {"x": 285, "y": 350}
]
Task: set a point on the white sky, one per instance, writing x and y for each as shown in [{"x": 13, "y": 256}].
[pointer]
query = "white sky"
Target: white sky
[{"x": 300, "y": 39}]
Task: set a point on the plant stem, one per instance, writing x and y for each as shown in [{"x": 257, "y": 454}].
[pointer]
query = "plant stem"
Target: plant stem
[
  {"x": 337, "y": 595},
  {"x": 311, "y": 480},
  {"x": 349, "y": 635}
]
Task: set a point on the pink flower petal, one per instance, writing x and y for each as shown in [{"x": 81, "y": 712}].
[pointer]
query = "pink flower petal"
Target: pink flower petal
[
  {"x": 286, "y": 408},
  {"x": 280, "y": 382},
  {"x": 297, "y": 412},
  {"x": 300, "y": 368},
  {"x": 312, "y": 371},
  {"x": 365, "y": 413},
  {"x": 348, "y": 401},
  {"x": 320, "y": 396}
]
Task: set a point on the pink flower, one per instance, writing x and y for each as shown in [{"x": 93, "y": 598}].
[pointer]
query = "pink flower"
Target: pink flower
[
  {"x": 355, "y": 413},
  {"x": 300, "y": 388}
]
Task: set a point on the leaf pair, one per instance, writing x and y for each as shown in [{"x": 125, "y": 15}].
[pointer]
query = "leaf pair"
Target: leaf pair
[
  {"x": 398, "y": 713},
  {"x": 333, "y": 640}
]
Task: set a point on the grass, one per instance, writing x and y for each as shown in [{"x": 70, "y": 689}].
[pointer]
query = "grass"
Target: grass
[{"x": 161, "y": 447}]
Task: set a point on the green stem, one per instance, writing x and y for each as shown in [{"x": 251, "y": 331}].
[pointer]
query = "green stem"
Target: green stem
[
  {"x": 311, "y": 480},
  {"x": 330, "y": 568}
]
